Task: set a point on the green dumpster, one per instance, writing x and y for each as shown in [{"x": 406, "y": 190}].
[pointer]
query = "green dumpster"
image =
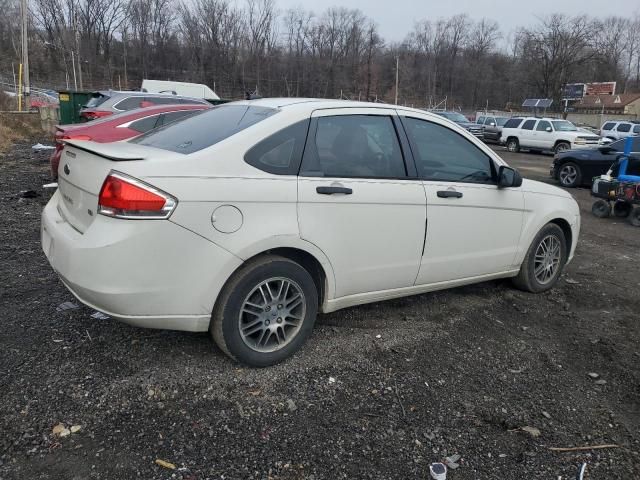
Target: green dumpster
[{"x": 71, "y": 101}]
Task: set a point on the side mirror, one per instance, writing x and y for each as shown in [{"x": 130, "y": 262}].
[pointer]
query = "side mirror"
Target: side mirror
[
  {"x": 548, "y": 129},
  {"x": 508, "y": 177},
  {"x": 492, "y": 124}
]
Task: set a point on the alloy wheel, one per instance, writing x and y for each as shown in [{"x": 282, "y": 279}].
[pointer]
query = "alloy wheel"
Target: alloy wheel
[
  {"x": 568, "y": 175},
  {"x": 547, "y": 259},
  {"x": 272, "y": 314}
]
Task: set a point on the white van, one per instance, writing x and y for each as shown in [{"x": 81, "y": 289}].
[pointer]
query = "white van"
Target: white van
[{"x": 185, "y": 89}]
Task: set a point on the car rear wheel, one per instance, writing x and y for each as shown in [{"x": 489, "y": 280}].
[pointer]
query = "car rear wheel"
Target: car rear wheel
[
  {"x": 513, "y": 145},
  {"x": 570, "y": 175},
  {"x": 544, "y": 261},
  {"x": 266, "y": 311},
  {"x": 561, "y": 147}
]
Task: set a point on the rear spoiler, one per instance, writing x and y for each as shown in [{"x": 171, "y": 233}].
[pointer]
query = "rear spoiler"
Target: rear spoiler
[{"x": 118, "y": 151}]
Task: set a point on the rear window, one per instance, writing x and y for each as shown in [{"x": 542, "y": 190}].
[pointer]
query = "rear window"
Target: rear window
[
  {"x": 624, "y": 127},
  {"x": 513, "y": 123},
  {"x": 636, "y": 129},
  {"x": 97, "y": 100},
  {"x": 528, "y": 125},
  {"x": 205, "y": 129}
]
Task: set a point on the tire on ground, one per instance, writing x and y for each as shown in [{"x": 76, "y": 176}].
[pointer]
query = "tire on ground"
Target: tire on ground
[
  {"x": 601, "y": 208},
  {"x": 634, "y": 218},
  {"x": 225, "y": 319},
  {"x": 622, "y": 209},
  {"x": 526, "y": 279}
]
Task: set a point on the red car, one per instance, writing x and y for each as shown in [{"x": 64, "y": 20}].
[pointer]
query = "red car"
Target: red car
[{"x": 119, "y": 127}]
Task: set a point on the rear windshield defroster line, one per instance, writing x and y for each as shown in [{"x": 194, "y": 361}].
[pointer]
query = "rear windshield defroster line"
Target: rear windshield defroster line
[{"x": 204, "y": 129}]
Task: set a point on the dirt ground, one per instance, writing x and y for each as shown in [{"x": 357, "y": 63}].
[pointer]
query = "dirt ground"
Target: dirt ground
[{"x": 379, "y": 391}]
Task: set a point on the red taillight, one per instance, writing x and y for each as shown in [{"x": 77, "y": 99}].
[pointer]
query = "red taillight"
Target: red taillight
[
  {"x": 93, "y": 114},
  {"x": 59, "y": 138},
  {"x": 126, "y": 197}
]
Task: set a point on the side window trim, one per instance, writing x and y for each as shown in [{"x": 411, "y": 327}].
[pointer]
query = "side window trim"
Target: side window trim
[
  {"x": 413, "y": 146},
  {"x": 309, "y": 155}
]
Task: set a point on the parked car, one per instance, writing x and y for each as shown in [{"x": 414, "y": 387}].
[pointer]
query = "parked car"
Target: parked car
[
  {"x": 617, "y": 129},
  {"x": 574, "y": 168},
  {"x": 456, "y": 117},
  {"x": 110, "y": 102},
  {"x": 492, "y": 127},
  {"x": 119, "y": 127},
  {"x": 249, "y": 218},
  {"x": 545, "y": 134}
]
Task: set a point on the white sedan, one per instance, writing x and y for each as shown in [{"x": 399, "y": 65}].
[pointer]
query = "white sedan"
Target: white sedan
[{"x": 249, "y": 218}]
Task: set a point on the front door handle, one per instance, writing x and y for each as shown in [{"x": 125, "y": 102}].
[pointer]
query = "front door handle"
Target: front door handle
[
  {"x": 449, "y": 194},
  {"x": 333, "y": 190}
]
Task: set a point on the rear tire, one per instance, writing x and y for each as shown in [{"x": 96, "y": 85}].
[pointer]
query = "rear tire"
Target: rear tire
[
  {"x": 622, "y": 209},
  {"x": 513, "y": 145},
  {"x": 265, "y": 312},
  {"x": 570, "y": 175},
  {"x": 545, "y": 259},
  {"x": 601, "y": 208}
]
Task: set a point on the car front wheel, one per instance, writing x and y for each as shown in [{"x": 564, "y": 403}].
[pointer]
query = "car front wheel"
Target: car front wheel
[
  {"x": 561, "y": 147},
  {"x": 266, "y": 311},
  {"x": 570, "y": 175},
  {"x": 544, "y": 261},
  {"x": 513, "y": 145}
]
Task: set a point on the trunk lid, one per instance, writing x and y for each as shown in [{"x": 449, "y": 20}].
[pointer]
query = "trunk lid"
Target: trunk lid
[{"x": 83, "y": 168}]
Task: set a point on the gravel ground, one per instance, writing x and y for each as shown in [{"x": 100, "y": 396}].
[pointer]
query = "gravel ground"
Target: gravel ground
[{"x": 380, "y": 391}]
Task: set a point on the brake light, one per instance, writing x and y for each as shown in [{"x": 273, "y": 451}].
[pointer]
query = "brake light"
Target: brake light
[
  {"x": 122, "y": 196},
  {"x": 92, "y": 115},
  {"x": 59, "y": 139}
]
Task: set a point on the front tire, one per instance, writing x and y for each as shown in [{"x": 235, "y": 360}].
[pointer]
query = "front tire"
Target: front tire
[
  {"x": 622, "y": 209},
  {"x": 561, "y": 147},
  {"x": 570, "y": 175},
  {"x": 266, "y": 311},
  {"x": 545, "y": 259},
  {"x": 601, "y": 208},
  {"x": 513, "y": 145}
]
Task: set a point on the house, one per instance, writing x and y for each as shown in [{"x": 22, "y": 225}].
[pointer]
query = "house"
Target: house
[{"x": 622, "y": 103}]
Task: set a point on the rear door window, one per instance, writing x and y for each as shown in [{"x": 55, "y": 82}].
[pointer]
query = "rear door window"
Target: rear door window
[
  {"x": 528, "y": 125},
  {"x": 206, "y": 129},
  {"x": 513, "y": 123},
  {"x": 354, "y": 146},
  {"x": 624, "y": 127}
]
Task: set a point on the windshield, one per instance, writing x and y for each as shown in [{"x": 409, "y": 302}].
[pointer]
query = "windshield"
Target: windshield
[
  {"x": 563, "y": 126},
  {"x": 455, "y": 116},
  {"x": 96, "y": 101},
  {"x": 204, "y": 129},
  {"x": 500, "y": 121}
]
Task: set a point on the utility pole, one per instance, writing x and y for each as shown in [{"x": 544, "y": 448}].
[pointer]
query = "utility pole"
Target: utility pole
[
  {"x": 397, "y": 68},
  {"x": 25, "y": 55},
  {"x": 78, "y": 58}
]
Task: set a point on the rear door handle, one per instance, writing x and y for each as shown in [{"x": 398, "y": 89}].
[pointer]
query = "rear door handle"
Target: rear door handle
[
  {"x": 449, "y": 194},
  {"x": 333, "y": 190}
]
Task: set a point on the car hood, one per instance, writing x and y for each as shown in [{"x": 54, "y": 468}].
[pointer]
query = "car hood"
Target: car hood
[{"x": 534, "y": 186}]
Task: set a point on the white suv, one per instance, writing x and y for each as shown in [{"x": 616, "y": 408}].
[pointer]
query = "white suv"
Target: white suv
[
  {"x": 617, "y": 129},
  {"x": 248, "y": 219},
  {"x": 545, "y": 134}
]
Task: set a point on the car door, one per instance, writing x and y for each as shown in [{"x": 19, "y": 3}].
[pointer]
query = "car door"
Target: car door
[
  {"x": 473, "y": 228},
  {"x": 542, "y": 138},
  {"x": 526, "y": 133},
  {"x": 356, "y": 202}
]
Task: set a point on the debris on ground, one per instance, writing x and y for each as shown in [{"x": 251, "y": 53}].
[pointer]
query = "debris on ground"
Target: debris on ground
[
  {"x": 100, "y": 316},
  {"x": 60, "y": 430},
  {"x": 594, "y": 375},
  {"x": 29, "y": 194},
  {"x": 66, "y": 306},
  {"x": 165, "y": 464},
  {"x": 40, "y": 146},
  {"x": 438, "y": 471},
  {"x": 533, "y": 431},
  {"x": 452, "y": 461},
  {"x": 50, "y": 185}
]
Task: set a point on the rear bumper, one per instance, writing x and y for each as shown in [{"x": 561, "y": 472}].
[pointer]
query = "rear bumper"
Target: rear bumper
[{"x": 149, "y": 273}]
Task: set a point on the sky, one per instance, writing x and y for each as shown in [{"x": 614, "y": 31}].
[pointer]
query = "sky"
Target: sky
[{"x": 396, "y": 17}]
